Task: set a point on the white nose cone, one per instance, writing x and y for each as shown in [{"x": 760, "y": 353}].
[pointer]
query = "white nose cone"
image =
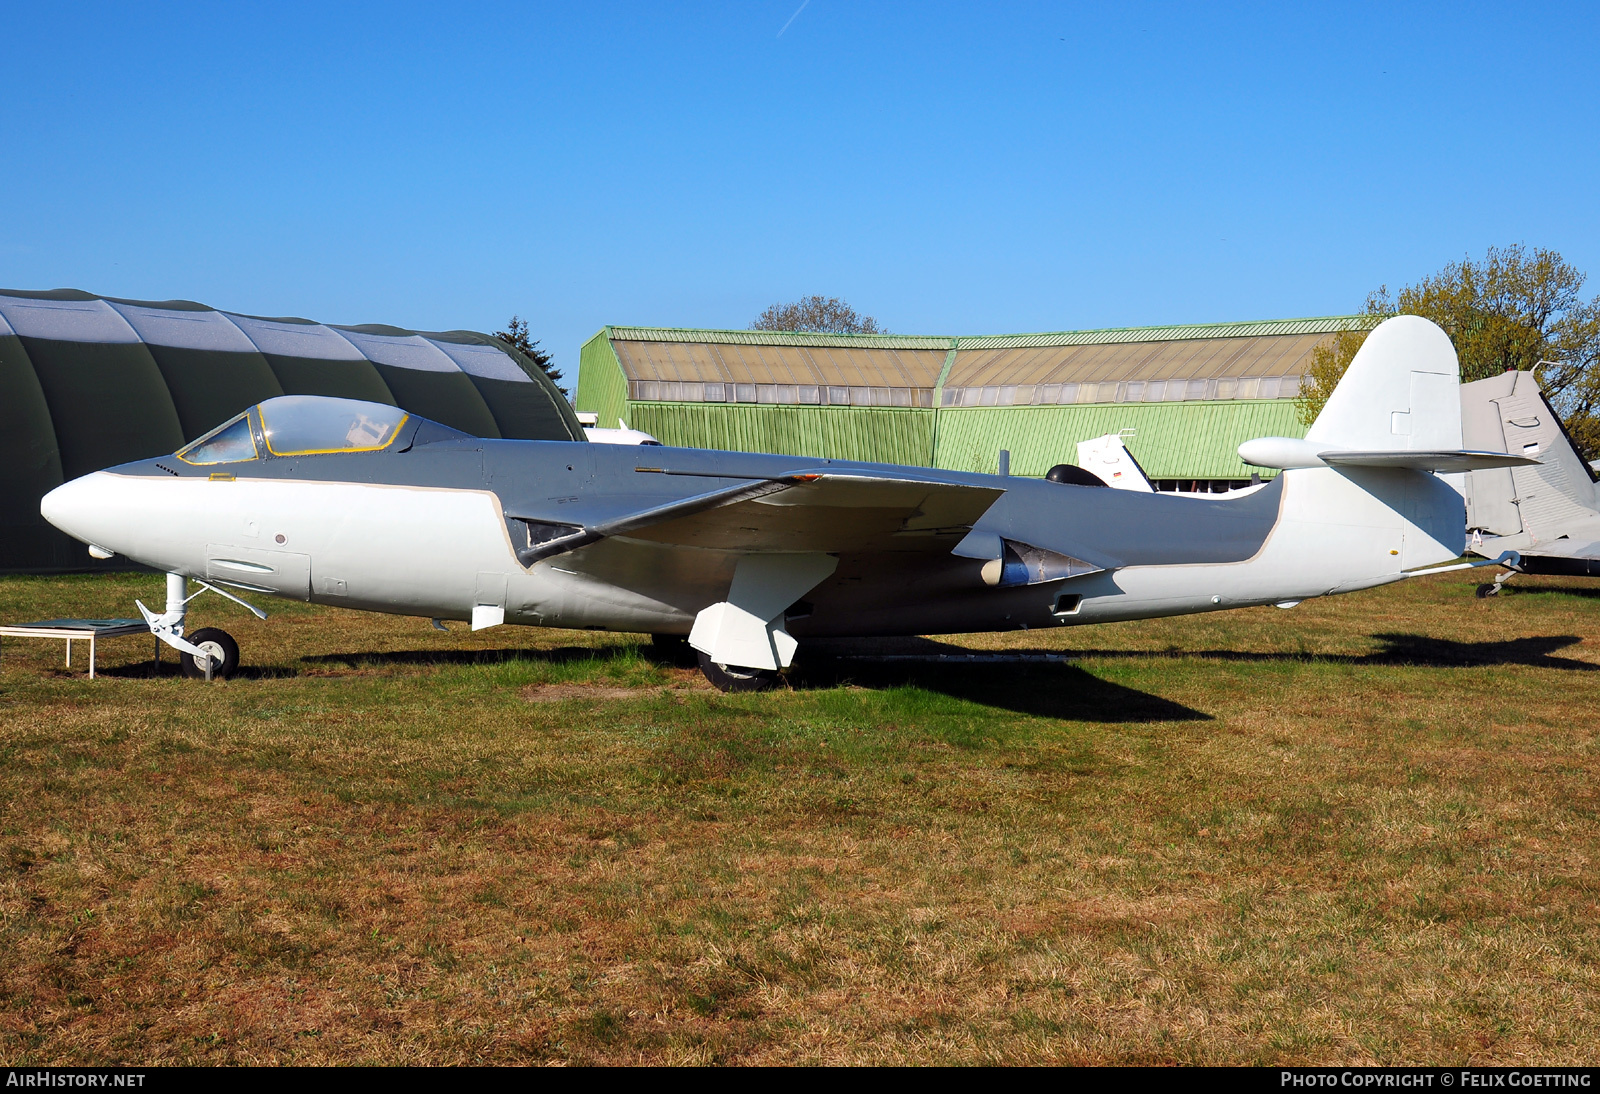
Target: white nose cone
[{"x": 78, "y": 507}]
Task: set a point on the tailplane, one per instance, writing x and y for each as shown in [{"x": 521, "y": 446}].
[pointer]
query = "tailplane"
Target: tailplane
[
  {"x": 1397, "y": 406},
  {"x": 1368, "y": 463}
]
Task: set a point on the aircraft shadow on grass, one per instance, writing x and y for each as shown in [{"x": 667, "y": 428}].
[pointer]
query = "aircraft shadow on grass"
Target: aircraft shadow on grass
[
  {"x": 560, "y": 656},
  {"x": 374, "y": 658},
  {"x": 1590, "y": 592},
  {"x": 1050, "y": 691},
  {"x": 1058, "y": 691},
  {"x": 1399, "y": 649},
  {"x": 1054, "y": 688},
  {"x": 144, "y": 670}
]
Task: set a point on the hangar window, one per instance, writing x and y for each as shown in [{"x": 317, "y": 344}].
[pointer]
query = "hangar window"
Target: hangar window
[
  {"x": 230, "y": 442},
  {"x": 305, "y": 425}
]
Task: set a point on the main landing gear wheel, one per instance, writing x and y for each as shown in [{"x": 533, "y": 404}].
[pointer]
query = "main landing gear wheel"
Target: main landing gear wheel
[
  {"x": 736, "y": 678},
  {"x": 220, "y": 645}
]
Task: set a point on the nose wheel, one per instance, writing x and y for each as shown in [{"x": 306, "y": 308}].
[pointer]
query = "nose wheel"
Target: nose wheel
[
  {"x": 208, "y": 652},
  {"x": 223, "y": 654}
]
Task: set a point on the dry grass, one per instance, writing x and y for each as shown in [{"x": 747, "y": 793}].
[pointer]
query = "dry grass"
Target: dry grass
[{"x": 1361, "y": 831}]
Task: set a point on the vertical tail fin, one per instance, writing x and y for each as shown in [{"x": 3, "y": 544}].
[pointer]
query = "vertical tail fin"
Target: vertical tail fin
[
  {"x": 1400, "y": 392},
  {"x": 1111, "y": 461}
]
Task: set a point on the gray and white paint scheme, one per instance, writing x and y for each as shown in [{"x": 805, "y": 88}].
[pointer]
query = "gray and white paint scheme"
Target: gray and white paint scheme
[{"x": 750, "y": 555}]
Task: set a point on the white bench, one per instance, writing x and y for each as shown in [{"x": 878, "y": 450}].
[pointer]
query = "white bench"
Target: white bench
[{"x": 78, "y": 630}]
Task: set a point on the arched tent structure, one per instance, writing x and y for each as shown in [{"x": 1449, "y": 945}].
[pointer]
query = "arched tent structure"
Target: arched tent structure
[{"x": 87, "y": 382}]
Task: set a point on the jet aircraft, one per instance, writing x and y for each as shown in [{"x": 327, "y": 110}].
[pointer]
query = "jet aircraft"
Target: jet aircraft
[{"x": 364, "y": 506}]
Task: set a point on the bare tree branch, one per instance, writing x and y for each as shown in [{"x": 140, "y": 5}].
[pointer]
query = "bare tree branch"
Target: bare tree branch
[{"x": 825, "y": 315}]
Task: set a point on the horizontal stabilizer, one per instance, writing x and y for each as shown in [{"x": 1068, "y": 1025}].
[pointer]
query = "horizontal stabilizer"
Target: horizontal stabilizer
[
  {"x": 1292, "y": 452},
  {"x": 1458, "y": 460}
]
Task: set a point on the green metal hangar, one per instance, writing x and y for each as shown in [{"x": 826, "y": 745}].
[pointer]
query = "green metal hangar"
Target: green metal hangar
[
  {"x": 1188, "y": 395},
  {"x": 88, "y": 382}
]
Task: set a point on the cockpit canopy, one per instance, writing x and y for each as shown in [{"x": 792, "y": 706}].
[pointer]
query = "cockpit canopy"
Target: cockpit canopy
[{"x": 303, "y": 425}]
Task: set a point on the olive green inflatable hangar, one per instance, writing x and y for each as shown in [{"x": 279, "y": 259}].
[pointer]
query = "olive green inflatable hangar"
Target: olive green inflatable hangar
[{"x": 87, "y": 382}]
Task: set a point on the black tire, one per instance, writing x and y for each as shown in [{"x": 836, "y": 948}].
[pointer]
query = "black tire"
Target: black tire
[
  {"x": 735, "y": 678},
  {"x": 1483, "y": 592},
  {"x": 219, "y": 644}
]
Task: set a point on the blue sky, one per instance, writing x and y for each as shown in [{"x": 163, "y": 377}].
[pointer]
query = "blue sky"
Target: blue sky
[{"x": 951, "y": 169}]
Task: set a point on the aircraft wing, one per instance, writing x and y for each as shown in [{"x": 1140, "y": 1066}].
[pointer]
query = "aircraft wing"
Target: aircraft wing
[{"x": 820, "y": 511}]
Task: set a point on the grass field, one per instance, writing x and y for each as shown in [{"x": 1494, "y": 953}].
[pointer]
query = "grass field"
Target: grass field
[{"x": 1363, "y": 830}]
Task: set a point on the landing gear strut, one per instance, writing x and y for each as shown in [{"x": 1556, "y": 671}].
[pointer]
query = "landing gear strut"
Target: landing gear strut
[
  {"x": 737, "y": 678},
  {"x": 207, "y": 653},
  {"x": 1493, "y": 588}
]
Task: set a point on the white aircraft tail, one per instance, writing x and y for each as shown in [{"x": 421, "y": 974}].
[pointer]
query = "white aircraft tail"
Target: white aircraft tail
[
  {"x": 1394, "y": 417},
  {"x": 1397, "y": 406},
  {"x": 1111, "y": 462},
  {"x": 1362, "y": 472},
  {"x": 1399, "y": 394}
]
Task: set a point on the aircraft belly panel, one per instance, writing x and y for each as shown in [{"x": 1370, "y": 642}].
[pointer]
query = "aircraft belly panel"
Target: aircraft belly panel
[
  {"x": 896, "y": 594},
  {"x": 1561, "y": 565},
  {"x": 554, "y": 597},
  {"x": 686, "y": 578}
]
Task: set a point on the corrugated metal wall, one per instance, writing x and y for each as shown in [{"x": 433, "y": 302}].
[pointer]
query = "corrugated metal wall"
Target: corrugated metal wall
[
  {"x": 874, "y": 434},
  {"x": 1194, "y": 439},
  {"x": 849, "y": 366},
  {"x": 1279, "y": 355},
  {"x": 602, "y": 387},
  {"x": 1173, "y": 440}
]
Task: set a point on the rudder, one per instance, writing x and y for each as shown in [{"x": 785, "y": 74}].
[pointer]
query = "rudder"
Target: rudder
[{"x": 1400, "y": 392}]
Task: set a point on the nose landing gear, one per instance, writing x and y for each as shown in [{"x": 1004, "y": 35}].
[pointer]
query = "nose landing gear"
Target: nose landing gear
[{"x": 207, "y": 653}]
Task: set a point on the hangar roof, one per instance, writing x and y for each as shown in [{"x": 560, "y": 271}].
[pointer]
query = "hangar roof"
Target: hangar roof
[{"x": 1131, "y": 364}]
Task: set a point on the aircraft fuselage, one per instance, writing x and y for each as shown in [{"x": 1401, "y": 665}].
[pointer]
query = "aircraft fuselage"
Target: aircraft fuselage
[{"x": 432, "y": 530}]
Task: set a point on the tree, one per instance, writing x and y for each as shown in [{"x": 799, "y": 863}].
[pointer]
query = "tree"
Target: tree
[
  {"x": 825, "y": 315},
  {"x": 517, "y": 338},
  {"x": 1514, "y": 309}
]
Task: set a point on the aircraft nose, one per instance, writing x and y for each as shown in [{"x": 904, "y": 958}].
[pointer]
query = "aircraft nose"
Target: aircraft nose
[{"x": 75, "y": 506}]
